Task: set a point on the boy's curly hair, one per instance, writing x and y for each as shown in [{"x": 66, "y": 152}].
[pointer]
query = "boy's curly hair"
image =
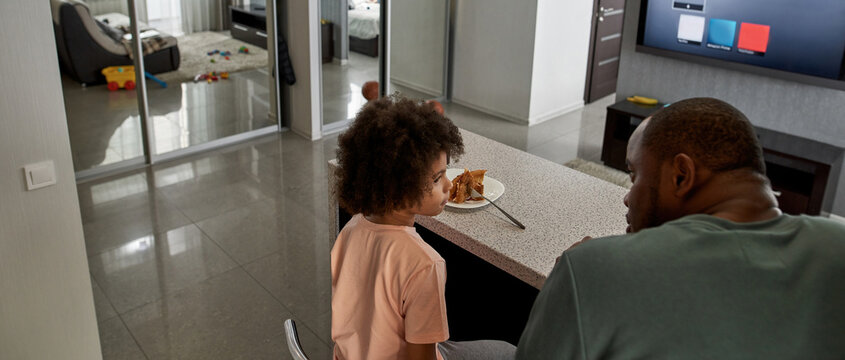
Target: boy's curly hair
[{"x": 386, "y": 154}]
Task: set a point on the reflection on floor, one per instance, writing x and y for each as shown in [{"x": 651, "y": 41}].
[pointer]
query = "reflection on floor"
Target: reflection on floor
[
  {"x": 104, "y": 126},
  {"x": 203, "y": 258},
  {"x": 342, "y": 86}
]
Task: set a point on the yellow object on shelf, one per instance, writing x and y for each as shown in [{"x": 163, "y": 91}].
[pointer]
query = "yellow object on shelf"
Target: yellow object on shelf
[
  {"x": 642, "y": 100},
  {"x": 120, "y": 77}
]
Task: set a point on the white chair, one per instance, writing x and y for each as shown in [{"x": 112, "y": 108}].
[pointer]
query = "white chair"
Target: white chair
[{"x": 292, "y": 338}]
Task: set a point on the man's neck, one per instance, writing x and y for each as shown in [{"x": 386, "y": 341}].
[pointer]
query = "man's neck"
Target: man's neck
[{"x": 739, "y": 198}]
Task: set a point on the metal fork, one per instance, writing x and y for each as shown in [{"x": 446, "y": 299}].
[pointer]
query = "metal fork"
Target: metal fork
[{"x": 515, "y": 221}]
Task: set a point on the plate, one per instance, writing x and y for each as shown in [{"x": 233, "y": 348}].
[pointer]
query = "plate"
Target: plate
[{"x": 492, "y": 190}]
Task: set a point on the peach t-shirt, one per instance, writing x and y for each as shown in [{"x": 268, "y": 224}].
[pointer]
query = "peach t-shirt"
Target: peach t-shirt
[{"x": 388, "y": 290}]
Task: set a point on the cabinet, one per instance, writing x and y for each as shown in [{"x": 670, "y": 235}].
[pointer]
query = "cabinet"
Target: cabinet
[
  {"x": 622, "y": 118},
  {"x": 799, "y": 169},
  {"x": 249, "y": 24}
]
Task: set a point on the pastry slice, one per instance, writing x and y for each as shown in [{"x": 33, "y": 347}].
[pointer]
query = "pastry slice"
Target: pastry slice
[{"x": 463, "y": 184}]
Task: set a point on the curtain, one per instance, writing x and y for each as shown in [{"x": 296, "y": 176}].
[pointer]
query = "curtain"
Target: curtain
[
  {"x": 99, "y": 7},
  {"x": 202, "y": 15}
]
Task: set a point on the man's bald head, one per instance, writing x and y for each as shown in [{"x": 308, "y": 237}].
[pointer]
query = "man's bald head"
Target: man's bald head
[{"x": 712, "y": 132}]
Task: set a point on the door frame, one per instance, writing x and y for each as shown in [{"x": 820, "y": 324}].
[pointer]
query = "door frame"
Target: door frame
[{"x": 592, "y": 50}]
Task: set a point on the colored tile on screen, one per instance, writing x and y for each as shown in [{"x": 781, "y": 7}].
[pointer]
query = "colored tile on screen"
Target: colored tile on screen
[
  {"x": 691, "y": 29},
  {"x": 720, "y": 34},
  {"x": 753, "y": 39}
]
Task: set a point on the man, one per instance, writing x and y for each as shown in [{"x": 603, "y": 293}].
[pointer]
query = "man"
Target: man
[{"x": 711, "y": 269}]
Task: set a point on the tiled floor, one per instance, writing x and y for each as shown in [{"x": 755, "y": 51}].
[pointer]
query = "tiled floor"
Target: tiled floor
[
  {"x": 342, "y": 86},
  {"x": 203, "y": 258}
]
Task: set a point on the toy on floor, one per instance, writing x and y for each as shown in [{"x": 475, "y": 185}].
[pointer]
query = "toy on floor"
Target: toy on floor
[
  {"x": 243, "y": 50},
  {"x": 120, "y": 77},
  {"x": 212, "y": 76},
  {"x": 153, "y": 78},
  {"x": 370, "y": 90},
  {"x": 436, "y": 105},
  {"x": 225, "y": 54}
]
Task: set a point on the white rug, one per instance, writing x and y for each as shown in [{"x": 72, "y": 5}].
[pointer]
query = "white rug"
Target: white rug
[
  {"x": 194, "y": 48},
  {"x": 600, "y": 171}
]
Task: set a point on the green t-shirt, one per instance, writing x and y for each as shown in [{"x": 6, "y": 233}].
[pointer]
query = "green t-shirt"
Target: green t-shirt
[{"x": 699, "y": 287}]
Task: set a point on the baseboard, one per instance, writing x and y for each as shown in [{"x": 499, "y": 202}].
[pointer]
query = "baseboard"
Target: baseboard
[
  {"x": 555, "y": 113},
  {"x": 419, "y": 88},
  {"x": 340, "y": 62},
  {"x": 495, "y": 113},
  {"x": 336, "y": 127},
  {"x": 304, "y": 135},
  {"x": 836, "y": 217}
]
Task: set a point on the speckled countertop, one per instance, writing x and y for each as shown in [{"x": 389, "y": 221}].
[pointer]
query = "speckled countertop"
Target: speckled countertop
[{"x": 557, "y": 205}]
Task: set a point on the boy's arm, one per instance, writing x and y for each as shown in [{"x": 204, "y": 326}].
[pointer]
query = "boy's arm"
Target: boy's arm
[{"x": 421, "y": 351}]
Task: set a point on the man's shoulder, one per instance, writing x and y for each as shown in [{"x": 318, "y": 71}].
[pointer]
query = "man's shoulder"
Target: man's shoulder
[{"x": 679, "y": 235}]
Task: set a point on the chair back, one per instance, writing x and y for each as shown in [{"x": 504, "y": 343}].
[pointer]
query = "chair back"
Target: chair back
[{"x": 292, "y": 338}]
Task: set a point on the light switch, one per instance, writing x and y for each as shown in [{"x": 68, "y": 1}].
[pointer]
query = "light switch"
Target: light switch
[{"x": 39, "y": 175}]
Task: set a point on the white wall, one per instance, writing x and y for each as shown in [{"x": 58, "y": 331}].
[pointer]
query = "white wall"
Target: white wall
[
  {"x": 46, "y": 301},
  {"x": 525, "y": 61},
  {"x": 494, "y": 49},
  {"x": 302, "y": 27},
  {"x": 561, "y": 46},
  {"x": 418, "y": 44}
]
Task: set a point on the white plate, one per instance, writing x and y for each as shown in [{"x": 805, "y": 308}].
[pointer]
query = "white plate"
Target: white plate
[{"x": 492, "y": 190}]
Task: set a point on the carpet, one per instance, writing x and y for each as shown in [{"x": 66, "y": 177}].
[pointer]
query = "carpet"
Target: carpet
[
  {"x": 194, "y": 48},
  {"x": 600, "y": 171}
]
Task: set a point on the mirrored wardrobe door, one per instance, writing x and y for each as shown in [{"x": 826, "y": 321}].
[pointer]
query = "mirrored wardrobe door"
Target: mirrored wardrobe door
[
  {"x": 349, "y": 39},
  {"x": 418, "y": 42},
  {"x": 98, "y": 84},
  {"x": 218, "y": 84}
]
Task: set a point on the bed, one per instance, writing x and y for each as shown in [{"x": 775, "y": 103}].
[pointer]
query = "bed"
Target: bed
[{"x": 364, "y": 27}]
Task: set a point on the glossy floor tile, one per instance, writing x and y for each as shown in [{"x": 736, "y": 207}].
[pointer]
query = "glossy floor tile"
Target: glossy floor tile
[
  {"x": 105, "y": 127},
  {"x": 206, "y": 256},
  {"x": 342, "y": 84}
]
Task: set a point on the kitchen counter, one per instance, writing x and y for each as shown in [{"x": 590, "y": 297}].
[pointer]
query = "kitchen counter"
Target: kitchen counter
[{"x": 558, "y": 206}]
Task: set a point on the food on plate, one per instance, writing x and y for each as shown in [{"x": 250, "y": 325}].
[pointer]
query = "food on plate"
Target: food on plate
[{"x": 463, "y": 184}]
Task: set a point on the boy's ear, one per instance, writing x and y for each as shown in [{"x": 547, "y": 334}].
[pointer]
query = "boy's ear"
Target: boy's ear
[{"x": 683, "y": 175}]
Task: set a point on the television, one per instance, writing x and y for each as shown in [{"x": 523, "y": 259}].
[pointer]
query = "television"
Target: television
[{"x": 798, "y": 40}]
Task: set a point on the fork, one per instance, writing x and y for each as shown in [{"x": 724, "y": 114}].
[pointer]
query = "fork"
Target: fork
[{"x": 515, "y": 221}]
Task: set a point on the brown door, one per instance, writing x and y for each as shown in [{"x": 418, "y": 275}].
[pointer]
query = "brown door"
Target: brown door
[{"x": 605, "y": 43}]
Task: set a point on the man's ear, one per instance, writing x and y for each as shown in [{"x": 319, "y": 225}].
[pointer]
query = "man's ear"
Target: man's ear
[{"x": 683, "y": 175}]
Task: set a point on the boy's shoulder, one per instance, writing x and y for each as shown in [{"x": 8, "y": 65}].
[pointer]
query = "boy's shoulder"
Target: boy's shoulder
[{"x": 399, "y": 240}]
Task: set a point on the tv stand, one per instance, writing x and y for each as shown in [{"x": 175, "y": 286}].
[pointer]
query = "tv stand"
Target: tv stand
[
  {"x": 798, "y": 168},
  {"x": 249, "y": 24}
]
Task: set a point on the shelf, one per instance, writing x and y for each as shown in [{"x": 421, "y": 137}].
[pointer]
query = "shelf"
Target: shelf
[{"x": 798, "y": 168}]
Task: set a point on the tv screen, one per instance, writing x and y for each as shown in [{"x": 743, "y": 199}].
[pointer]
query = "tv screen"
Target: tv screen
[{"x": 798, "y": 36}]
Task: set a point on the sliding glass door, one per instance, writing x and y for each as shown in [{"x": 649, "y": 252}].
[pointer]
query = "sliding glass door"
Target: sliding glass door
[
  {"x": 104, "y": 125},
  {"x": 221, "y": 88},
  {"x": 350, "y": 37},
  {"x": 381, "y": 47},
  {"x": 205, "y": 78}
]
